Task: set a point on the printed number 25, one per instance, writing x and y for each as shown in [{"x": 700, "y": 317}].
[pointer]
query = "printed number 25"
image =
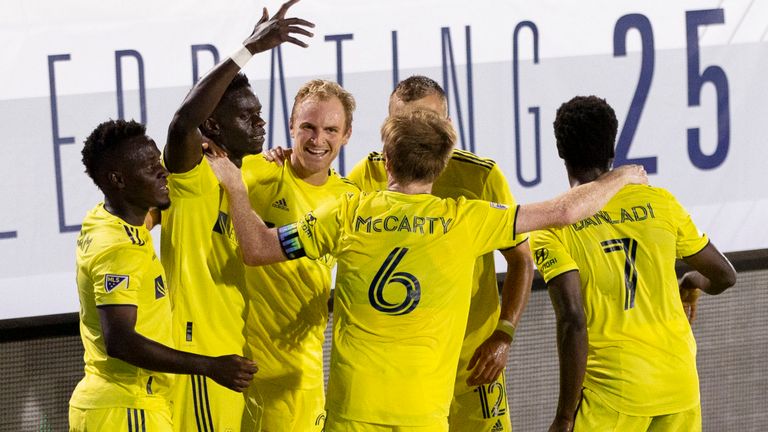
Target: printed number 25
[{"x": 629, "y": 246}]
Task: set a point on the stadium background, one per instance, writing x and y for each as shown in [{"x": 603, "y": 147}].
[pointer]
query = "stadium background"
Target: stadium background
[{"x": 670, "y": 69}]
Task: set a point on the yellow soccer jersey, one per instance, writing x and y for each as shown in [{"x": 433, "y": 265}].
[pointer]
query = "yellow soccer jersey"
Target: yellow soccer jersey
[
  {"x": 471, "y": 177},
  {"x": 288, "y": 302},
  {"x": 403, "y": 288},
  {"x": 642, "y": 354},
  {"x": 200, "y": 254},
  {"x": 117, "y": 265}
]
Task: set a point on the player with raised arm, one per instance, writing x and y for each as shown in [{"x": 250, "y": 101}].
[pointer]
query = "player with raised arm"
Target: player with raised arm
[
  {"x": 627, "y": 352},
  {"x": 288, "y": 302},
  {"x": 125, "y": 311},
  {"x": 405, "y": 260},
  {"x": 198, "y": 246}
]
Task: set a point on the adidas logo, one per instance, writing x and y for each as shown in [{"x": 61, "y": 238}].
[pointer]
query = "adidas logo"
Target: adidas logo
[
  {"x": 281, "y": 204},
  {"x": 498, "y": 427}
]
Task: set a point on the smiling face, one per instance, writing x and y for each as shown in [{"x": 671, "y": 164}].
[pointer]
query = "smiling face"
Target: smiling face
[{"x": 319, "y": 130}]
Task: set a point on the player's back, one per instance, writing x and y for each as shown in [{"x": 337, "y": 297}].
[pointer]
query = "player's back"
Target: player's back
[
  {"x": 402, "y": 296},
  {"x": 641, "y": 355}
]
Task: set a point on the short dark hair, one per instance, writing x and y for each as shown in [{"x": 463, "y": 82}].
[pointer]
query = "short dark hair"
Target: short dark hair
[
  {"x": 416, "y": 87},
  {"x": 417, "y": 145},
  {"x": 585, "y": 129},
  {"x": 103, "y": 146}
]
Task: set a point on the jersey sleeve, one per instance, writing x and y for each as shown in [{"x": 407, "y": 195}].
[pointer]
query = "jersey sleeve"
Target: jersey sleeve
[
  {"x": 689, "y": 239},
  {"x": 497, "y": 190},
  {"x": 551, "y": 255},
  {"x": 200, "y": 180},
  {"x": 314, "y": 235},
  {"x": 491, "y": 225},
  {"x": 117, "y": 276}
]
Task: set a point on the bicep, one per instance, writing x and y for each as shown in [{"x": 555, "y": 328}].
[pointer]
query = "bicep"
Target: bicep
[
  {"x": 117, "y": 321},
  {"x": 183, "y": 149},
  {"x": 711, "y": 263}
]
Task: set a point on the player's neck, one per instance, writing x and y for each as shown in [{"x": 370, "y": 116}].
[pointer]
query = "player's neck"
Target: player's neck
[
  {"x": 129, "y": 213},
  {"x": 583, "y": 176},
  {"x": 412, "y": 188}
]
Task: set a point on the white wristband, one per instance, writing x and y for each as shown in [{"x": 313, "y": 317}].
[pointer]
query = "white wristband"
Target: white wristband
[
  {"x": 241, "y": 56},
  {"x": 506, "y": 327}
]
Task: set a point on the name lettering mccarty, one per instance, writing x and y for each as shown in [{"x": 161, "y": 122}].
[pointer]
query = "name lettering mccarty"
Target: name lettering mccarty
[
  {"x": 413, "y": 224},
  {"x": 632, "y": 214}
]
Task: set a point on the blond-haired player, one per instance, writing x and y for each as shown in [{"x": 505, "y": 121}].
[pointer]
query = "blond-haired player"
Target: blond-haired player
[{"x": 405, "y": 260}]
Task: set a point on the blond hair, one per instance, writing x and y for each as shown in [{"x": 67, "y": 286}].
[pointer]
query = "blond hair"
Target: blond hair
[{"x": 324, "y": 90}]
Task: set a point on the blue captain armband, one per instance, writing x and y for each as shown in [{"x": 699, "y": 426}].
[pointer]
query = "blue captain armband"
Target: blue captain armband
[{"x": 290, "y": 242}]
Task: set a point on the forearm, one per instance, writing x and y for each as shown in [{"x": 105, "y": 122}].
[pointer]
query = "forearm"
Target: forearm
[
  {"x": 258, "y": 243},
  {"x": 572, "y": 352},
  {"x": 516, "y": 288},
  {"x": 145, "y": 353}
]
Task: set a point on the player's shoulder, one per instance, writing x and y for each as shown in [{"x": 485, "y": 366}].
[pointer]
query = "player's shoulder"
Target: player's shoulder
[
  {"x": 468, "y": 160},
  {"x": 375, "y": 157},
  {"x": 102, "y": 232}
]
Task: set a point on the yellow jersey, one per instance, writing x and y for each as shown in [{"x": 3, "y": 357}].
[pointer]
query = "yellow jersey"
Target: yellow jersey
[
  {"x": 471, "y": 177},
  {"x": 117, "y": 265},
  {"x": 642, "y": 355},
  {"x": 288, "y": 302},
  {"x": 200, "y": 254},
  {"x": 403, "y": 287}
]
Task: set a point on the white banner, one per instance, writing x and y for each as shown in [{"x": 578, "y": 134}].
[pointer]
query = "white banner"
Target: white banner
[{"x": 686, "y": 79}]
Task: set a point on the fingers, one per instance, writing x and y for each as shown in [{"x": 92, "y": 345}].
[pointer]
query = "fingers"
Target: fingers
[
  {"x": 295, "y": 41},
  {"x": 264, "y": 16},
  {"x": 294, "y": 29},
  {"x": 298, "y": 21},
  {"x": 284, "y": 8}
]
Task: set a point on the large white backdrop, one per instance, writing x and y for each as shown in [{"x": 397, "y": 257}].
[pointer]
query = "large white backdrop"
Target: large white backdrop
[{"x": 687, "y": 80}]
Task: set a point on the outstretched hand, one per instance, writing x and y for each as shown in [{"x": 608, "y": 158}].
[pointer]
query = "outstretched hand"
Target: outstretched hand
[
  {"x": 271, "y": 32},
  {"x": 489, "y": 359}
]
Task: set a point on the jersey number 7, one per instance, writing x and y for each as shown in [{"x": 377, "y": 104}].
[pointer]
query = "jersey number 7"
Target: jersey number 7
[{"x": 629, "y": 246}]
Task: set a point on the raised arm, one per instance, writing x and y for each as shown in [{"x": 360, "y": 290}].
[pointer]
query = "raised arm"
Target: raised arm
[
  {"x": 183, "y": 149},
  {"x": 259, "y": 244},
  {"x": 123, "y": 342},
  {"x": 565, "y": 293},
  {"x": 579, "y": 202}
]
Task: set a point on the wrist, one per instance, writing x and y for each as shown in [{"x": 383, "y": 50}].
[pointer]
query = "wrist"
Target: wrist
[
  {"x": 241, "y": 56},
  {"x": 506, "y": 327}
]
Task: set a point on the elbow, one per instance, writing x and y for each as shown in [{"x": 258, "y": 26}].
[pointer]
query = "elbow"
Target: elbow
[{"x": 722, "y": 281}]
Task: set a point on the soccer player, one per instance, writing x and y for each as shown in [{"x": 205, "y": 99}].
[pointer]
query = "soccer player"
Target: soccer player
[
  {"x": 198, "y": 246},
  {"x": 125, "y": 311},
  {"x": 627, "y": 352},
  {"x": 405, "y": 260},
  {"x": 288, "y": 302},
  {"x": 480, "y": 400}
]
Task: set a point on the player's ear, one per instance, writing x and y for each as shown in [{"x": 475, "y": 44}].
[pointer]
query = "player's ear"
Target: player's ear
[{"x": 115, "y": 179}]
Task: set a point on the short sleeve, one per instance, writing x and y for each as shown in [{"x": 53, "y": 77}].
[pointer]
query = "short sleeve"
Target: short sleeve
[
  {"x": 491, "y": 225},
  {"x": 551, "y": 255},
  {"x": 369, "y": 174},
  {"x": 497, "y": 190},
  {"x": 117, "y": 276},
  {"x": 200, "y": 180},
  {"x": 690, "y": 240}
]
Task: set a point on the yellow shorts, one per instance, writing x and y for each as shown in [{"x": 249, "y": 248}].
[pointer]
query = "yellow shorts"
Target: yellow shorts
[
  {"x": 484, "y": 409},
  {"x": 595, "y": 416},
  {"x": 119, "y": 419},
  {"x": 343, "y": 425},
  {"x": 287, "y": 410},
  {"x": 199, "y": 403}
]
